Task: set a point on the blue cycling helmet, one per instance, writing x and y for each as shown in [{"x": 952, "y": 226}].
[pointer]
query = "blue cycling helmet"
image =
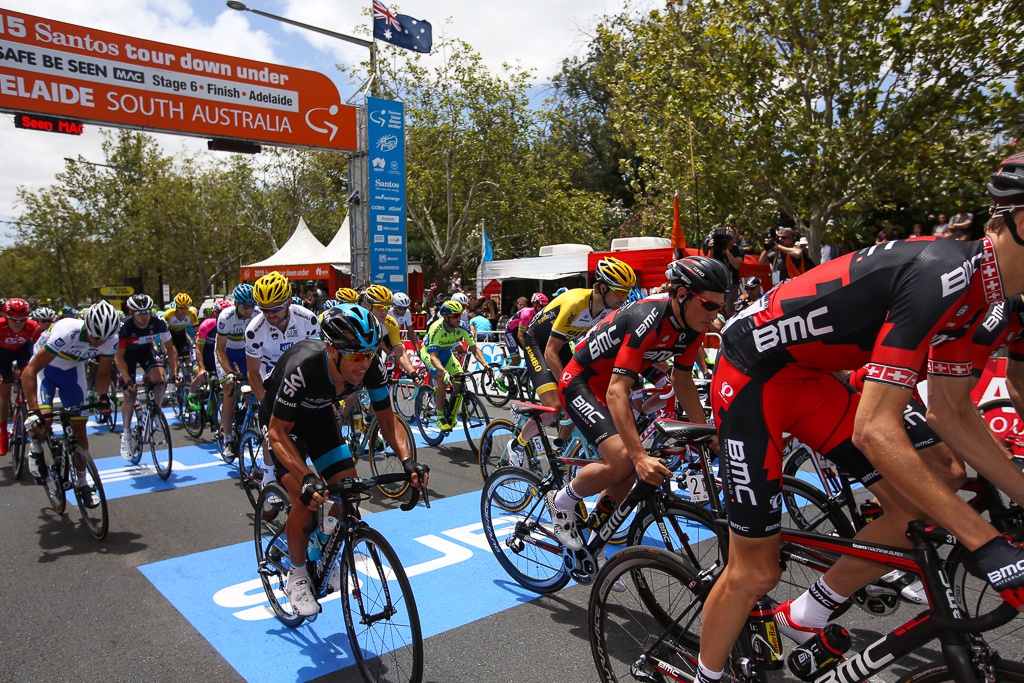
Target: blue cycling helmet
[
  {"x": 634, "y": 295},
  {"x": 331, "y": 303},
  {"x": 297, "y": 301},
  {"x": 242, "y": 294},
  {"x": 559, "y": 292},
  {"x": 350, "y": 328}
]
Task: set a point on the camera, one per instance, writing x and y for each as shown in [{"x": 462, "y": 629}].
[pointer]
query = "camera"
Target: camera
[
  {"x": 771, "y": 238},
  {"x": 719, "y": 239}
]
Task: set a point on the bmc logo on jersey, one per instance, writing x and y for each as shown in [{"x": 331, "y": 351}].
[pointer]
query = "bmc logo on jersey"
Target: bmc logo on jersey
[
  {"x": 658, "y": 356},
  {"x": 792, "y": 329},
  {"x": 958, "y": 278}
]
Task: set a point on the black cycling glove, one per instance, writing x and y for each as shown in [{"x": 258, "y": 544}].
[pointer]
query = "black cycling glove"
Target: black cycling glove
[
  {"x": 1001, "y": 563},
  {"x": 412, "y": 467},
  {"x": 311, "y": 484}
]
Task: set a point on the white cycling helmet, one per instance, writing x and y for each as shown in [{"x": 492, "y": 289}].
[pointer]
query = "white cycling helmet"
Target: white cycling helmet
[
  {"x": 401, "y": 300},
  {"x": 101, "y": 321},
  {"x": 461, "y": 298}
]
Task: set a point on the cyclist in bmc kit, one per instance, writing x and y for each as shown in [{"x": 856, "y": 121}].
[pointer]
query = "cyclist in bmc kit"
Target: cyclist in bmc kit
[
  {"x": 597, "y": 384},
  {"x": 563, "y": 321},
  {"x": 137, "y": 340},
  {"x": 18, "y": 335},
  {"x": 299, "y": 402},
  {"x": 230, "y": 354},
  {"x": 437, "y": 357},
  {"x": 883, "y": 307}
]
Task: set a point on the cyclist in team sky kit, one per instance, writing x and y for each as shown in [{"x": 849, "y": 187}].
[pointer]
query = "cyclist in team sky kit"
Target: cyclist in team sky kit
[
  {"x": 889, "y": 307},
  {"x": 597, "y": 384},
  {"x": 299, "y": 402}
]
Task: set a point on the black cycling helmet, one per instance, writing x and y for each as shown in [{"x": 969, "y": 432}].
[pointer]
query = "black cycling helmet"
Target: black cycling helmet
[
  {"x": 140, "y": 303},
  {"x": 350, "y": 328},
  {"x": 1006, "y": 186},
  {"x": 699, "y": 274}
]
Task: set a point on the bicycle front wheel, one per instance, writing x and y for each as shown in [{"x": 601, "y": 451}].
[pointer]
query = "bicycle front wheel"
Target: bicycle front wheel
[
  {"x": 403, "y": 398},
  {"x": 426, "y": 417},
  {"x": 691, "y": 533},
  {"x": 92, "y": 501},
  {"x": 194, "y": 420},
  {"x": 656, "y": 621},
  {"x": 251, "y": 464},
  {"x": 519, "y": 530},
  {"x": 54, "y": 482},
  {"x": 494, "y": 446},
  {"x": 381, "y": 618},
  {"x": 384, "y": 459},
  {"x": 498, "y": 394},
  {"x": 18, "y": 444},
  {"x": 977, "y": 597},
  {"x": 272, "y": 561},
  {"x": 474, "y": 419},
  {"x": 160, "y": 448}
]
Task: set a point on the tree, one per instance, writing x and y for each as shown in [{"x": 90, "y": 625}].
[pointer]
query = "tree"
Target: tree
[{"x": 812, "y": 106}]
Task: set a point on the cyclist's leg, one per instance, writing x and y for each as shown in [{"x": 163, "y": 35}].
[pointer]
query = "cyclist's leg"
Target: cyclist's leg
[
  {"x": 153, "y": 368},
  {"x": 72, "y": 393},
  {"x": 546, "y": 385},
  {"x": 131, "y": 360},
  {"x": 227, "y": 407}
]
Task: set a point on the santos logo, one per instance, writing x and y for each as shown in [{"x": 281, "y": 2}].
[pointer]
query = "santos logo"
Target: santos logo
[{"x": 793, "y": 328}]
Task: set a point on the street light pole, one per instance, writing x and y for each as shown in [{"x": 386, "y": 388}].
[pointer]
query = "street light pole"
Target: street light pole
[{"x": 132, "y": 171}]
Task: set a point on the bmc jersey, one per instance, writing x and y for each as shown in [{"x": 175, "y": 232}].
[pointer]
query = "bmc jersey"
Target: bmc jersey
[
  {"x": 630, "y": 341},
  {"x": 266, "y": 343},
  {"x": 12, "y": 341},
  {"x": 880, "y": 307},
  {"x": 1002, "y": 326},
  {"x": 232, "y": 327},
  {"x": 66, "y": 340},
  {"x": 568, "y": 317},
  {"x": 130, "y": 336}
]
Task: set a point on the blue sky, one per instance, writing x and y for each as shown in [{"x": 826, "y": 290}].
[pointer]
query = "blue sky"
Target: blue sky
[{"x": 536, "y": 33}]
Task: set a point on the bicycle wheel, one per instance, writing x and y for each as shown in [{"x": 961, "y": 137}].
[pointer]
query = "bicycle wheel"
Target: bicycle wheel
[
  {"x": 136, "y": 431},
  {"x": 18, "y": 443},
  {"x": 54, "y": 482},
  {"x": 251, "y": 464},
  {"x": 656, "y": 619},
  {"x": 977, "y": 597},
  {"x": 272, "y": 561},
  {"x": 194, "y": 420},
  {"x": 381, "y": 618},
  {"x": 179, "y": 399},
  {"x": 691, "y": 532},
  {"x": 403, "y": 398},
  {"x": 160, "y": 447},
  {"x": 518, "y": 529},
  {"x": 493, "y": 443},
  {"x": 426, "y": 418},
  {"x": 384, "y": 459},
  {"x": 1003, "y": 671},
  {"x": 474, "y": 419},
  {"x": 806, "y": 507},
  {"x": 92, "y": 501},
  {"x": 499, "y": 394}
]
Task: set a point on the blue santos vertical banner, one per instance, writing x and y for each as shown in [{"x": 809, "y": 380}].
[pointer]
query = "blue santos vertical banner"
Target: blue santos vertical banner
[{"x": 385, "y": 130}]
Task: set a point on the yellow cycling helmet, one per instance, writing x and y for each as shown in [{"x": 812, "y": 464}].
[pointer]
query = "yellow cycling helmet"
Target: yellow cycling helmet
[
  {"x": 183, "y": 300},
  {"x": 379, "y": 295},
  {"x": 451, "y": 308},
  {"x": 272, "y": 288},
  {"x": 347, "y": 295},
  {"x": 615, "y": 273}
]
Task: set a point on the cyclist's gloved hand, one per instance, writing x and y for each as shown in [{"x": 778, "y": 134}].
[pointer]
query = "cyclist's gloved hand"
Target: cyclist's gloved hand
[
  {"x": 34, "y": 421},
  {"x": 417, "y": 471},
  {"x": 447, "y": 377},
  {"x": 126, "y": 383},
  {"x": 1001, "y": 563},
  {"x": 311, "y": 484},
  {"x": 104, "y": 402}
]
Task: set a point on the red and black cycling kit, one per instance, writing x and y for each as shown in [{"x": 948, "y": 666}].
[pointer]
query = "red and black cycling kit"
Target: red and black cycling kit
[
  {"x": 139, "y": 343},
  {"x": 300, "y": 390},
  {"x": 882, "y": 308},
  {"x": 627, "y": 342},
  {"x": 1001, "y": 327},
  {"x": 16, "y": 347}
]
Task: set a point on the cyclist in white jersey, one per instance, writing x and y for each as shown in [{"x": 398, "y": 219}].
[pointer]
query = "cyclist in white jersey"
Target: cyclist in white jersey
[
  {"x": 58, "y": 369},
  {"x": 230, "y": 353}
]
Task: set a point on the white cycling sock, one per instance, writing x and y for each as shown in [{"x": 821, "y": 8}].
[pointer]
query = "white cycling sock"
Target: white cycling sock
[
  {"x": 298, "y": 573},
  {"x": 706, "y": 674},
  {"x": 566, "y": 498},
  {"x": 815, "y": 606}
]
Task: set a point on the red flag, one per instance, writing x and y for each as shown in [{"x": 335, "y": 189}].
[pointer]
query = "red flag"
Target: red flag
[{"x": 678, "y": 236}]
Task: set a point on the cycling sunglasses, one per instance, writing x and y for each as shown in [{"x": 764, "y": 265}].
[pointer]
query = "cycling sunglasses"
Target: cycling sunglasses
[
  {"x": 709, "y": 306},
  {"x": 357, "y": 357},
  {"x": 381, "y": 307},
  {"x": 274, "y": 309}
]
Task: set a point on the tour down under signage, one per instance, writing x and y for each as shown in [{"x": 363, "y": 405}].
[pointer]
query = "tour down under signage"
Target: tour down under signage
[{"x": 57, "y": 69}]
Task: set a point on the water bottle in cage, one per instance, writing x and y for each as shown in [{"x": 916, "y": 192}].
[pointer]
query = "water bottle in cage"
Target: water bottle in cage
[
  {"x": 764, "y": 634},
  {"x": 820, "y": 653}
]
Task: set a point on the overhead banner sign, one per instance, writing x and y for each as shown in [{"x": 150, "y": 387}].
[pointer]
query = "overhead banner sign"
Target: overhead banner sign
[
  {"x": 385, "y": 130},
  {"x": 57, "y": 69}
]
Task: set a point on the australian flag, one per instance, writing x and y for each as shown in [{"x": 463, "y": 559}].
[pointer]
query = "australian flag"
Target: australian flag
[{"x": 400, "y": 29}]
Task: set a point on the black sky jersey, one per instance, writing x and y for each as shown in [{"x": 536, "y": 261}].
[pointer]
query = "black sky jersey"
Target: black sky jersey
[
  {"x": 880, "y": 307},
  {"x": 131, "y": 336},
  {"x": 300, "y": 382}
]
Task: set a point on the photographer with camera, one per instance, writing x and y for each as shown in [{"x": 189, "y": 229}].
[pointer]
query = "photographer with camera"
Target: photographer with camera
[
  {"x": 721, "y": 245},
  {"x": 787, "y": 259}
]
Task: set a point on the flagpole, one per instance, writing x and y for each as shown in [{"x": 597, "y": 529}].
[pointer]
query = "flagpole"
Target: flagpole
[{"x": 696, "y": 188}]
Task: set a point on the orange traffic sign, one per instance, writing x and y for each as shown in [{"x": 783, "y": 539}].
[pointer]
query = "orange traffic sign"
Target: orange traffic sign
[{"x": 51, "y": 68}]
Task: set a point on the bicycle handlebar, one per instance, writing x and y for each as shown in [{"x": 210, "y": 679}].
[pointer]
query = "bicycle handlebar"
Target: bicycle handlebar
[
  {"x": 1001, "y": 615},
  {"x": 357, "y": 485}
]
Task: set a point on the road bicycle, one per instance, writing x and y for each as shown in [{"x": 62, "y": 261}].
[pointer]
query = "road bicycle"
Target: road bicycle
[
  {"x": 67, "y": 466},
  {"x": 179, "y": 398},
  {"x": 205, "y": 412},
  {"x": 651, "y": 631},
  {"x": 150, "y": 431},
  {"x": 247, "y": 409},
  {"x": 514, "y": 385},
  {"x": 18, "y": 441},
  {"x": 356, "y": 561},
  {"x": 461, "y": 402}
]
